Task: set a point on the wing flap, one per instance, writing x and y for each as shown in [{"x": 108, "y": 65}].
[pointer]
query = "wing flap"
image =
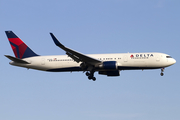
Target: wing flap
[{"x": 75, "y": 58}]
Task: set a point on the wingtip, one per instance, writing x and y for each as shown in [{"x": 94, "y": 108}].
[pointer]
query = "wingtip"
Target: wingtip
[
  {"x": 56, "y": 41},
  {"x": 52, "y": 35}
]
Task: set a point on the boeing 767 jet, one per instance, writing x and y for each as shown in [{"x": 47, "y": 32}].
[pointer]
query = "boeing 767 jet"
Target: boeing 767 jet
[{"x": 104, "y": 64}]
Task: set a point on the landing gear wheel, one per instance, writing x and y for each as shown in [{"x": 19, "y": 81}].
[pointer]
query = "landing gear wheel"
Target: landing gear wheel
[
  {"x": 162, "y": 70},
  {"x": 162, "y": 74},
  {"x": 90, "y": 78},
  {"x": 87, "y": 73},
  {"x": 94, "y": 79},
  {"x": 90, "y": 75}
]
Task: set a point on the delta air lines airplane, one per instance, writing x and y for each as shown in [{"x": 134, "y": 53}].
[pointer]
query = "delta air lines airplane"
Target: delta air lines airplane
[{"x": 104, "y": 64}]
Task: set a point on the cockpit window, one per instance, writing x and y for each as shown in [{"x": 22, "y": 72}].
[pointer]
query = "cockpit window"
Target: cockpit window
[{"x": 168, "y": 57}]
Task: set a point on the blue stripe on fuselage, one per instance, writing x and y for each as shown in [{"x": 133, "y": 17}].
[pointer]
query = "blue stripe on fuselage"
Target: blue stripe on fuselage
[
  {"x": 69, "y": 69},
  {"x": 65, "y": 69}
]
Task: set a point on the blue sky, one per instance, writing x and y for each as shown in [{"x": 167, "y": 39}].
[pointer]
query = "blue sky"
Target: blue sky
[{"x": 95, "y": 26}]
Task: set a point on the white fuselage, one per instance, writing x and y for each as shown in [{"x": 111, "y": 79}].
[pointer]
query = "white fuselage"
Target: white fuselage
[{"x": 125, "y": 61}]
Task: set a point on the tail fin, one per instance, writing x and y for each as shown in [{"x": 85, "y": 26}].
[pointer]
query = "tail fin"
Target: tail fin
[{"x": 20, "y": 49}]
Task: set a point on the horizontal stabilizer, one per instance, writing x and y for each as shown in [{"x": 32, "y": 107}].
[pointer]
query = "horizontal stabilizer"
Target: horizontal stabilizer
[{"x": 17, "y": 60}]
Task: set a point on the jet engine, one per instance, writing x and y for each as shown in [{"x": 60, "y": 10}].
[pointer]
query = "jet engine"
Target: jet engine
[{"x": 109, "y": 65}]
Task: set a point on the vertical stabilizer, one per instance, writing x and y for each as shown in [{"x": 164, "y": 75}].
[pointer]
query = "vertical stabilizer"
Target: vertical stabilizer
[{"x": 20, "y": 49}]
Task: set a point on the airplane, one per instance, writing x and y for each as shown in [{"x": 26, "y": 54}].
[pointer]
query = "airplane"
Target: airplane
[{"x": 104, "y": 64}]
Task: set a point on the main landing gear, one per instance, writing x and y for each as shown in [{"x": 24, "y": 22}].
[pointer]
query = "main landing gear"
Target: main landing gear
[
  {"x": 91, "y": 75},
  {"x": 162, "y": 70}
]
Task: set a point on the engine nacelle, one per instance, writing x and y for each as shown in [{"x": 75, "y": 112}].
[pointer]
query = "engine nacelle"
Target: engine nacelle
[
  {"x": 110, "y": 73},
  {"x": 109, "y": 65}
]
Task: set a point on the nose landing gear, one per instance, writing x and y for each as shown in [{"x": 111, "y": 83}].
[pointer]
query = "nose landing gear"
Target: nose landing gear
[{"x": 162, "y": 70}]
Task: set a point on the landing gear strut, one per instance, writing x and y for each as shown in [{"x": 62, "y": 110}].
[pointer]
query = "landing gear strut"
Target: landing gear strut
[
  {"x": 162, "y": 70},
  {"x": 91, "y": 75}
]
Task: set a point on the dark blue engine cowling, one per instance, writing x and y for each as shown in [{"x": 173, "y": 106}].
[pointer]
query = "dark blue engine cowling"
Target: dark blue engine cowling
[{"x": 110, "y": 65}]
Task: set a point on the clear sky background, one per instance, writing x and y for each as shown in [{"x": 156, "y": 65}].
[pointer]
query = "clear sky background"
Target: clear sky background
[{"x": 90, "y": 27}]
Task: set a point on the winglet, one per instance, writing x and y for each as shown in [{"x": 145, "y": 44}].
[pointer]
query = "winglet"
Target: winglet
[{"x": 56, "y": 40}]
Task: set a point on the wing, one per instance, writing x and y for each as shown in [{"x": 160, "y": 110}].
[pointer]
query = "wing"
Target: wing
[{"x": 76, "y": 56}]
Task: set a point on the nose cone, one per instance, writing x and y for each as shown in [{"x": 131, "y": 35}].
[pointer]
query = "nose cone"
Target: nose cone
[{"x": 173, "y": 61}]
